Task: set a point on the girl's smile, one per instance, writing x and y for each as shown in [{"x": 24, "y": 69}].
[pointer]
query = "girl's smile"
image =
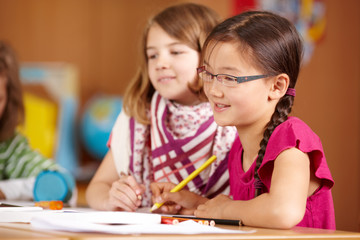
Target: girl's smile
[
  {"x": 218, "y": 107},
  {"x": 165, "y": 79}
]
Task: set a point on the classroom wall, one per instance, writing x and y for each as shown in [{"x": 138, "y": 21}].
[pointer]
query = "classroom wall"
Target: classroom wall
[
  {"x": 328, "y": 100},
  {"x": 101, "y": 39}
]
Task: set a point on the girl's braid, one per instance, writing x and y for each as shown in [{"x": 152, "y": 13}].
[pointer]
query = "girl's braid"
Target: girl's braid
[{"x": 282, "y": 110}]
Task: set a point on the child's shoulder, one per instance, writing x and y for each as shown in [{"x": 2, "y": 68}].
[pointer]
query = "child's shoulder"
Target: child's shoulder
[
  {"x": 295, "y": 125},
  {"x": 11, "y": 145},
  {"x": 294, "y": 120},
  {"x": 18, "y": 137},
  {"x": 293, "y": 133}
]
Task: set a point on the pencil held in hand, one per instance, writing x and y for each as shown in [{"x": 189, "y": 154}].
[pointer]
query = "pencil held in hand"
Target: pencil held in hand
[
  {"x": 122, "y": 174},
  {"x": 187, "y": 180}
]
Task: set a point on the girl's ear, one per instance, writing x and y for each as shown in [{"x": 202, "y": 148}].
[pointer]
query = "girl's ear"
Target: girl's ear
[{"x": 279, "y": 86}]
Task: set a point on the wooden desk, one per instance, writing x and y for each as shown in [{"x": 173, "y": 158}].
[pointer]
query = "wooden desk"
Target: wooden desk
[{"x": 11, "y": 231}]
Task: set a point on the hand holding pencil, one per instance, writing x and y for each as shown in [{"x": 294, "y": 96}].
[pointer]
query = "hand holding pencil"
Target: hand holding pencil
[
  {"x": 168, "y": 192},
  {"x": 125, "y": 193}
]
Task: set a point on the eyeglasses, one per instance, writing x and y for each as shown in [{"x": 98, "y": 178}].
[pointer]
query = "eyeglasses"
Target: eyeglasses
[{"x": 225, "y": 79}]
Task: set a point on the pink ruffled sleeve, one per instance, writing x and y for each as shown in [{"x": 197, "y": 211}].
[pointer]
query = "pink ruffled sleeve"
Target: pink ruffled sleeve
[{"x": 295, "y": 133}]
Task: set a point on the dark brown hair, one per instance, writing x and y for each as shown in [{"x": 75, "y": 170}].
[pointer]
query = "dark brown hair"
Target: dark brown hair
[
  {"x": 189, "y": 23},
  {"x": 275, "y": 47},
  {"x": 13, "y": 114}
]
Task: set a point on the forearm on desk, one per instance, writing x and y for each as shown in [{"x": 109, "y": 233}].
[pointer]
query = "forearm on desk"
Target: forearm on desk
[
  {"x": 260, "y": 212},
  {"x": 97, "y": 196}
]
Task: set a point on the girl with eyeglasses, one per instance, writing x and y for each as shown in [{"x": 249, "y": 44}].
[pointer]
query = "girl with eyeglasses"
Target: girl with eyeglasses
[
  {"x": 166, "y": 129},
  {"x": 279, "y": 177}
]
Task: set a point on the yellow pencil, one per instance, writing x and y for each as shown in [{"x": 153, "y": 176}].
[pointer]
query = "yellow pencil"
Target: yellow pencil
[{"x": 186, "y": 180}]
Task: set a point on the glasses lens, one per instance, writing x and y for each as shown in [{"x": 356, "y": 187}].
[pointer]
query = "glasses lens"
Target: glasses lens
[{"x": 227, "y": 80}]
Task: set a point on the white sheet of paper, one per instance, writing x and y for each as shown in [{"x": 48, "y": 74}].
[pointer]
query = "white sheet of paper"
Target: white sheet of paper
[
  {"x": 27, "y": 213},
  {"x": 20, "y": 209},
  {"x": 105, "y": 217},
  {"x": 186, "y": 227},
  {"x": 10, "y": 207}
]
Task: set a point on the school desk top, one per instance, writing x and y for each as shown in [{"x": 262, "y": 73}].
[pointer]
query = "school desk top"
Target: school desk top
[{"x": 11, "y": 231}]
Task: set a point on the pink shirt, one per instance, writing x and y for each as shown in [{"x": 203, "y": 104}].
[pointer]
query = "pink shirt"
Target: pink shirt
[{"x": 292, "y": 133}]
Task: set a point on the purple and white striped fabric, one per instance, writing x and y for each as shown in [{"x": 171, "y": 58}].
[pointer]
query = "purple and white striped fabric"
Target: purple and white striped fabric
[{"x": 179, "y": 140}]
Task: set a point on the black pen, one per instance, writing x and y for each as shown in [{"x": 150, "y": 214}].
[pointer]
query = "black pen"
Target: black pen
[{"x": 216, "y": 220}]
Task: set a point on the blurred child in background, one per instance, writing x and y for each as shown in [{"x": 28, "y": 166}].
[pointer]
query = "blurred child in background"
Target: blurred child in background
[{"x": 19, "y": 164}]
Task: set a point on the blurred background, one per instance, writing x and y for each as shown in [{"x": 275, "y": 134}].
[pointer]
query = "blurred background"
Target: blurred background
[{"x": 77, "y": 57}]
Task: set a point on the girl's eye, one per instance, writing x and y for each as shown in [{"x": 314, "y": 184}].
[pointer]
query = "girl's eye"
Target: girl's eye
[
  {"x": 176, "y": 52},
  {"x": 152, "y": 56},
  {"x": 229, "y": 78}
]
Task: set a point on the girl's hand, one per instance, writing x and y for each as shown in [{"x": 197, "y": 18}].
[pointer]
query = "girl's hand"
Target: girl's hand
[
  {"x": 158, "y": 189},
  {"x": 214, "y": 207},
  {"x": 125, "y": 194},
  {"x": 182, "y": 202}
]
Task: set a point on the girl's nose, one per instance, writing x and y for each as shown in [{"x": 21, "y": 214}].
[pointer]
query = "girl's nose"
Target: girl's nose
[
  {"x": 162, "y": 62},
  {"x": 214, "y": 88}
]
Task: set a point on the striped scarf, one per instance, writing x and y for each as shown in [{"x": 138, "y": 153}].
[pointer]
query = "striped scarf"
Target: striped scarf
[{"x": 180, "y": 139}]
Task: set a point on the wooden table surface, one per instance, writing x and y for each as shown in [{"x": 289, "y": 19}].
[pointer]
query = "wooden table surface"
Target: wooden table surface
[{"x": 11, "y": 231}]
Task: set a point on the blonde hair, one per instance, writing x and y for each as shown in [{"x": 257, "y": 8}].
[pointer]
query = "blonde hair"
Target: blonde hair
[{"x": 190, "y": 23}]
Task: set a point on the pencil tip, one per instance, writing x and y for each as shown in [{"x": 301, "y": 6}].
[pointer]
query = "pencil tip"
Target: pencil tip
[{"x": 154, "y": 207}]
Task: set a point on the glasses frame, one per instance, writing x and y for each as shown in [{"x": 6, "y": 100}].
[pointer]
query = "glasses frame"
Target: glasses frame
[{"x": 238, "y": 79}]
